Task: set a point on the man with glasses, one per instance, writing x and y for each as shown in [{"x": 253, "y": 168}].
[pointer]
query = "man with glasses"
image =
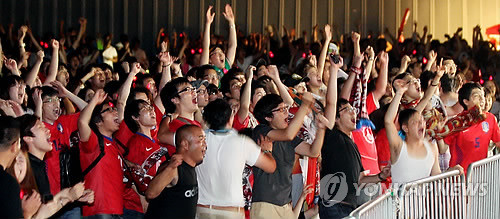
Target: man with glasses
[
  {"x": 180, "y": 101},
  {"x": 48, "y": 108},
  {"x": 201, "y": 96},
  {"x": 272, "y": 114},
  {"x": 96, "y": 125}
]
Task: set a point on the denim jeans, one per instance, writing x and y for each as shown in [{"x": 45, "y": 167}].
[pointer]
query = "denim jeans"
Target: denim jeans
[
  {"x": 131, "y": 214},
  {"x": 335, "y": 211},
  {"x": 75, "y": 213},
  {"x": 104, "y": 216}
]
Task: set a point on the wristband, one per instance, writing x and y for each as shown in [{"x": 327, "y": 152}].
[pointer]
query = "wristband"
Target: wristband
[
  {"x": 355, "y": 70},
  {"x": 268, "y": 151},
  {"x": 381, "y": 179}
]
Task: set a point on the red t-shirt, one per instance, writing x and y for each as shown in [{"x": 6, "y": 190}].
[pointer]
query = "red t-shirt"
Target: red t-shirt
[
  {"x": 140, "y": 147},
  {"x": 365, "y": 141},
  {"x": 176, "y": 124},
  {"x": 472, "y": 144},
  {"x": 239, "y": 125},
  {"x": 60, "y": 133},
  {"x": 105, "y": 179},
  {"x": 123, "y": 134},
  {"x": 371, "y": 103},
  {"x": 383, "y": 150}
]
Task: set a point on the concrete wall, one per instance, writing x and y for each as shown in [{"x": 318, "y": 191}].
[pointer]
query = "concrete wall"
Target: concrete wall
[{"x": 143, "y": 18}]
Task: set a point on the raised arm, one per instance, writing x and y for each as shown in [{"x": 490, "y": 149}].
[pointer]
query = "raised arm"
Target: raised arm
[
  {"x": 86, "y": 114},
  {"x": 246, "y": 95},
  {"x": 404, "y": 64},
  {"x": 430, "y": 62},
  {"x": 33, "y": 40},
  {"x": 357, "y": 59},
  {"x": 395, "y": 142},
  {"x": 63, "y": 92},
  {"x": 83, "y": 26},
  {"x": 167, "y": 177},
  {"x": 265, "y": 161},
  {"x": 431, "y": 90},
  {"x": 231, "y": 50},
  {"x": 314, "y": 149},
  {"x": 331, "y": 93},
  {"x": 293, "y": 128},
  {"x": 22, "y": 51},
  {"x": 54, "y": 62},
  {"x": 125, "y": 90},
  {"x": 30, "y": 79},
  {"x": 274, "y": 74},
  {"x": 166, "y": 76},
  {"x": 205, "y": 54},
  {"x": 381, "y": 83},
  {"x": 369, "y": 64},
  {"x": 324, "y": 51}
]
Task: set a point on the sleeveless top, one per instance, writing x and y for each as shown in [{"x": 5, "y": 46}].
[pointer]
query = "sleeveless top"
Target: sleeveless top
[
  {"x": 408, "y": 169},
  {"x": 178, "y": 201}
]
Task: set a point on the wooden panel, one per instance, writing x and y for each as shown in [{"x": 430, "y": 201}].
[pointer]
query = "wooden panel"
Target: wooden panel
[
  {"x": 423, "y": 14},
  {"x": 289, "y": 14},
  {"x": 241, "y": 14},
  {"x": 390, "y": 15},
  {"x": 194, "y": 18},
  {"x": 372, "y": 16},
  {"x": 455, "y": 16},
  {"x": 338, "y": 19},
  {"x": 355, "y": 15},
  {"x": 441, "y": 25},
  {"x": 273, "y": 13},
  {"x": 305, "y": 17},
  {"x": 322, "y": 13},
  {"x": 256, "y": 16}
]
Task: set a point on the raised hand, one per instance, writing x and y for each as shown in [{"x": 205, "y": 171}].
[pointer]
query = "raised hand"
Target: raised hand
[
  {"x": 55, "y": 44},
  {"x": 166, "y": 59},
  {"x": 210, "y": 16},
  {"x": 82, "y": 21},
  {"x": 136, "y": 68},
  {"x": 22, "y": 32},
  {"x": 370, "y": 52},
  {"x": 228, "y": 14},
  {"x": 307, "y": 98},
  {"x": 60, "y": 88},
  {"x": 273, "y": 72},
  {"x": 321, "y": 121},
  {"x": 249, "y": 72},
  {"x": 37, "y": 97},
  {"x": 355, "y": 37},
  {"x": 337, "y": 65},
  {"x": 432, "y": 56},
  {"x": 328, "y": 32},
  {"x": 11, "y": 64},
  {"x": 383, "y": 57},
  {"x": 39, "y": 55},
  {"x": 164, "y": 46},
  {"x": 99, "y": 97}
]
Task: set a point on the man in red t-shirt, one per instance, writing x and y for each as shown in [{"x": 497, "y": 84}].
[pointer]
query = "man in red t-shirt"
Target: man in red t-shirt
[
  {"x": 60, "y": 127},
  {"x": 106, "y": 177},
  {"x": 472, "y": 144},
  {"x": 179, "y": 98}
]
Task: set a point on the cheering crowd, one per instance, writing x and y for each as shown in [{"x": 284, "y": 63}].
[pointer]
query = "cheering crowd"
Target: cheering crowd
[{"x": 244, "y": 127}]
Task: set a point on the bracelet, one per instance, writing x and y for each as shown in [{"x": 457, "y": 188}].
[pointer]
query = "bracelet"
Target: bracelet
[
  {"x": 371, "y": 59},
  {"x": 434, "y": 84},
  {"x": 164, "y": 66},
  {"x": 268, "y": 151},
  {"x": 232, "y": 26},
  {"x": 355, "y": 70},
  {"x": 381, "y": 179}
]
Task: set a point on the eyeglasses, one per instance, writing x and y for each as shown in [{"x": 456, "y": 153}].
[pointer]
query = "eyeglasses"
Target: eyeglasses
[
  {"x": 282, "y": 109},
  {"x": 187, "y": 89},
  {"x": 349, "y": 109},
  {"x": 54, "y": 99},
  {"x": 112, "y": 109},
  {"x": 148, "y": 108},
  {"x": 202, "y": 91}
]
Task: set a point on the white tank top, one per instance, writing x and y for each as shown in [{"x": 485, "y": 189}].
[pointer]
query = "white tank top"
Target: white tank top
[{"x": 407, "y": 169}]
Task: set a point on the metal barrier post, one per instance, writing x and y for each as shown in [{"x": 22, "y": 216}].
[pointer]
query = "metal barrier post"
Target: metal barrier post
[
  {"x": 483, "y": 188},
  {"x": 381, "y": 207}
]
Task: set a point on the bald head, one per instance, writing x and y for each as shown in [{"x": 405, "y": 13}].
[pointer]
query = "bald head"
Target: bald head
[{"x": 185, "y": 132}]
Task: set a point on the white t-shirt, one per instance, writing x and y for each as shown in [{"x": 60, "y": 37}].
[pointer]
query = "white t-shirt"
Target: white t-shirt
[
  {"x": 108, "y": 55},
  {"x": 220, "y": 174}
]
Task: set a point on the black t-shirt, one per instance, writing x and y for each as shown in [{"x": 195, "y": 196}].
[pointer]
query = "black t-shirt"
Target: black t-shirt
[
  {"x": 275, "y": 188},
  {"x": 340, "y": 156},
  {"x": 178, "y": 201},
  {"x": 39, "y": 168},
  {"x": 10, "y": 201}
]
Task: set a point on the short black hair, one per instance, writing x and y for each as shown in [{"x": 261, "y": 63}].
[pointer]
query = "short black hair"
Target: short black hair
[
  {"x": 255, "y": 85},
  {"x": 170, "y": 91},
  {"x": 465, "y": 91},
  {"x": 48, "y": 91},
  {"x": 27, "y": 122},
  {"x": 112, "y": 87},
  {"x": 9, "y": 132},
  {"x": 217, "y": 114},
  {"x": 200, "y": 73},
  {"x": 405, "y": 115},
  {"x": 97, "y": 115},
  {"x": 425, "y": 77},
  {"x": 132, "y": 110},
  {"x": 446, "y": 83},
  {"x": 265, "y": 106},
  {"x": 137, "y": 90},
  {"x": 340, "y": 103},
  {"x": 225, "y": 83}
]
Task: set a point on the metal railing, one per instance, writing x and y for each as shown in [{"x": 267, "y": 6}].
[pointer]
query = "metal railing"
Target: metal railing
[
  {"x": 381, "y": 207},
  {"x": 483, "y": 188},
  {"x": 440, "y": 196}
]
